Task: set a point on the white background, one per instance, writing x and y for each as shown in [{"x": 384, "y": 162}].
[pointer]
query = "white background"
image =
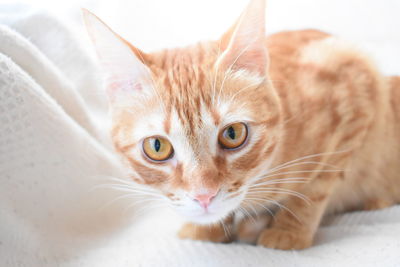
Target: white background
[{"x": 374, "y": 25}]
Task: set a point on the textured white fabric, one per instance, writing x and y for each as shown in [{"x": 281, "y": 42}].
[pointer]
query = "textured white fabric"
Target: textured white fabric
[{"x": 53, "y": 153}]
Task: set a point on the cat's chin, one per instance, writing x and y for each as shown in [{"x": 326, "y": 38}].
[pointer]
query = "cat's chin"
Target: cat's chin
[{"x": 206, "y": 218}]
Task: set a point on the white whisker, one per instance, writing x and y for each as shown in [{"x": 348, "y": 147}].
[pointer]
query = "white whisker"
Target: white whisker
[
  {"x": 146, "y": 207},
  {"x": 302, "y": 163},
  {"x": 310, "y": 156},
  {"x": 281, "y": 191},
  {"x": 305, "y": 171},
  {"x": 279, "y": 205},
  {"x": 294, "y": 172},
  {"x": 283, "y": 180},
  {"x": 263, "y": 206},
  {"x": 247, "y": 214},
  {"x": 132, "y": 190}
]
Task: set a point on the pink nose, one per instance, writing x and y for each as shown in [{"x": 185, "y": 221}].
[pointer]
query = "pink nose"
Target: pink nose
[{"x": 205, "y": 199}]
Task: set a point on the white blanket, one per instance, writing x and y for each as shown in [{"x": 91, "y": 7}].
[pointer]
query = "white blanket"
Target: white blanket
[{"x": 53, "y": 156}]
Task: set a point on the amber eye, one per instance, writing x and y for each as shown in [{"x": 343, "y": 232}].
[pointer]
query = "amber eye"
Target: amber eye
[
  {"x": 157, "y": 148},
  {"x": 233, "y": 135}
]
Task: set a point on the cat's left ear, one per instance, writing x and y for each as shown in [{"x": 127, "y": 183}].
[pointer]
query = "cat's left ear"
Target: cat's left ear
[
  {"x": 127, "y": 76},
  {"x": 244, "y": 45}
]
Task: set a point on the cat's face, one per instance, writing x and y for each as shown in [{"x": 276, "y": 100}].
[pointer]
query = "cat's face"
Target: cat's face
[
  {"x": 197, "y": 124},
  {"x": 194, "y": 149}
]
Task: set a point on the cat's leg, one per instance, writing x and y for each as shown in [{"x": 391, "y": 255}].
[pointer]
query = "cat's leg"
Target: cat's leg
[
  {"x": 295, "y": 225},
  {"x": 377, "y": 203},
  {"x": 221, "y": 232}
]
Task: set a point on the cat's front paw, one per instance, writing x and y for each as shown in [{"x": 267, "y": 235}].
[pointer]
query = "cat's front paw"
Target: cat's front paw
[
  {"x": 212, "y": 233},
  {"x": 283, "y": 239}
]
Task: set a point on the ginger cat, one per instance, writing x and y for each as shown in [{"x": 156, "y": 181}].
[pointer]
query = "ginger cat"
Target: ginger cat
[{"x": 298, "y": 124}]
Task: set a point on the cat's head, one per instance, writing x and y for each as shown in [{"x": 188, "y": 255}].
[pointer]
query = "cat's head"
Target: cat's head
[{"x": 198, "y": 124}]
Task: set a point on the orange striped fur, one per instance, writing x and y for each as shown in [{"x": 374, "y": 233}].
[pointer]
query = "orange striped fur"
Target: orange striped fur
[{"x": 323, "y": 128}]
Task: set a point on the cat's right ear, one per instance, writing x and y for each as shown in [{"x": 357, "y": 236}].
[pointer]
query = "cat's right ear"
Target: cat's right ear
[
  {"x": 126, "y": 74},
  {"x": 243, "y": 46}
]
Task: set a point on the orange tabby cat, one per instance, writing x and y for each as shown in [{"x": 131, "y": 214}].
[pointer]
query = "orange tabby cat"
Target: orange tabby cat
[{"x": 299, "y": 124}]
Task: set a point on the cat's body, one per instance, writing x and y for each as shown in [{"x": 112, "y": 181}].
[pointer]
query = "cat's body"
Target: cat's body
[
  {"x": 337, "y": 98},
  {"x": 338, "y": 103},
  {"x": 319, "y": 130}
]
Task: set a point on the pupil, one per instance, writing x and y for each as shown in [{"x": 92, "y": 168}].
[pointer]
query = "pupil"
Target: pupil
[
  {"x": 231, "y": 133},
  {"x": 157, "y": 145}
]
